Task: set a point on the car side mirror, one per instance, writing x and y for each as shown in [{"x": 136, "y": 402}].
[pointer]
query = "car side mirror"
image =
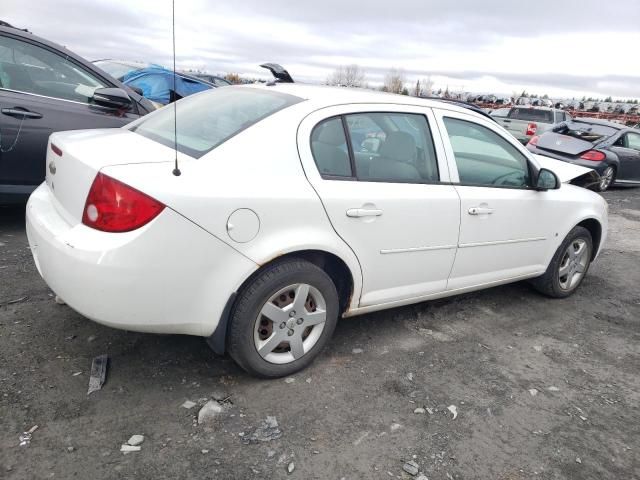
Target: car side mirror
[
  {"x": 111, "y": 97},
  {"x": 547, "y": 180}
]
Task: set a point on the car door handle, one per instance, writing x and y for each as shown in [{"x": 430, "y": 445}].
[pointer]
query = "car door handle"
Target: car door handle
[
  {"x": 20, "y": 113},
  {"x": 480, "y": 211},
  {"x": 363, "y": 212}
]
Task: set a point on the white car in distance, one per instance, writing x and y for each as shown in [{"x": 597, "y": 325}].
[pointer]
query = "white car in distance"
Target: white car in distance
[{"x": 298, "y": 205}]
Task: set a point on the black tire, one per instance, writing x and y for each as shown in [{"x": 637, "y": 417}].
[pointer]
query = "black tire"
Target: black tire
[
  {"x": 549, "y": 283},
  {"x": 605, "y": 187},
  {"x": 249, "y": 303}
]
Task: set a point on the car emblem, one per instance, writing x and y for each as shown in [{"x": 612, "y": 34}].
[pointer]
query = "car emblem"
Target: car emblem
[
  {"x": 52, "y": 168},
  {"x": 559, "y": 142}
]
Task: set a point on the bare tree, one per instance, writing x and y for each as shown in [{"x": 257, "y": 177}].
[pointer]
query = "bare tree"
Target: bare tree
[
  {"x": 394, "y": 81},
  {"x": 427, "y": 86},
  {"x": 347, "y": 76}
]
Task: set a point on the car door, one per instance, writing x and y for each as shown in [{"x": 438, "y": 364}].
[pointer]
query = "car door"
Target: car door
[
  {"x": 384, "y": 184},
  {"x": 42, "y": 91},
  {"x": 506, "y": 227},
  {"x": 628, "y": 151}
]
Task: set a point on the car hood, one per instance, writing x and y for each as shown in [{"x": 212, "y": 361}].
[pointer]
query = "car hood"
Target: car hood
[{"x": 564, "y": 170}]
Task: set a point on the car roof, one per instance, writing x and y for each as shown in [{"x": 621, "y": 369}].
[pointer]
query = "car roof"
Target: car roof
[{"x": 325, "y": 95}]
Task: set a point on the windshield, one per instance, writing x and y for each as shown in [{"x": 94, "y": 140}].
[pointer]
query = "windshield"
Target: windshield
[
  {"x": 589, "y": 132},
  {"x": 209, "y": 119},
  {"x": 531, "y": 114}
]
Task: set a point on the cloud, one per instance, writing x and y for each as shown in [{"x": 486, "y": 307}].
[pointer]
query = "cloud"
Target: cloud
[{"x": 567, "y": 47}]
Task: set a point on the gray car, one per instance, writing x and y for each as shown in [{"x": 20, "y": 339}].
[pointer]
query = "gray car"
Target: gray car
[{"x": 45, "y": 88}]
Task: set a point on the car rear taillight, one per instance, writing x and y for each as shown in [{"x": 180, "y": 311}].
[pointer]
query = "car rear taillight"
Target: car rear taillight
[
  {"x": 532, "y": 128},
  {"x": 113, "y": 206},
  {"x": 534, "y": 141},
  {"x": 593, "y": 156}
]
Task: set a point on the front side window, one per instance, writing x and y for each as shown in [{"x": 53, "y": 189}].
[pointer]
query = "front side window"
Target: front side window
[
  {"x": 484, "y": 158},
  {"x": 207, "y": 120},
  {"x": 28, "y": 68},
  {"x": 392, "y": 147}
]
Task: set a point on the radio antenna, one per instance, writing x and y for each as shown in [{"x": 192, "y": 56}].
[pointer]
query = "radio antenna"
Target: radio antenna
[{"x": 176, "y": 170}]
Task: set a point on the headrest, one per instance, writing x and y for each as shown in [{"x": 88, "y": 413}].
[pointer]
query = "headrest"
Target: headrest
[{"x": 399, "y": 146}]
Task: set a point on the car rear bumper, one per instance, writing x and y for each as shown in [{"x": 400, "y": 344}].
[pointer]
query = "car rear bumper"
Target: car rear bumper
[{"x": 169, "y": 276}]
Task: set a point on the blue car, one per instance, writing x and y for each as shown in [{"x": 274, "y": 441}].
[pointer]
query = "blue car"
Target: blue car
[{"x": 153, "y": 81}]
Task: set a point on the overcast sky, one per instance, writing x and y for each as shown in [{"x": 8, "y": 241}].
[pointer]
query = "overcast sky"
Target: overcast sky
[{"x": 559, "y": 47}]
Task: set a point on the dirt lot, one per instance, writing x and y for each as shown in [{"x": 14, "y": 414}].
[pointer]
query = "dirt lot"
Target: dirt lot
[{"x": 351, "y": 415}]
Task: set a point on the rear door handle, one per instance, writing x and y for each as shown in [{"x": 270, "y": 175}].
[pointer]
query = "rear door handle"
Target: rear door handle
[
  {"x": 20, "y": 113},
  {"x": 363, "y": 212},
  {"x": 480, "y": 211}
]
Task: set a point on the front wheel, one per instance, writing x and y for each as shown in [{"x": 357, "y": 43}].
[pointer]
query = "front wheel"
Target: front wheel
[
  {"x": 282, "y": 319},
  {"x": 568, "y": 266},
  {"x": 607, "y": 178}
]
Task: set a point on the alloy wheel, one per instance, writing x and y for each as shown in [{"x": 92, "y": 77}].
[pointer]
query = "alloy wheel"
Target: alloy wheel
[
  {"x": 606, "y": 178},
  {"x": 290, "y": 323},
  {"x": 573, "y": 264}
]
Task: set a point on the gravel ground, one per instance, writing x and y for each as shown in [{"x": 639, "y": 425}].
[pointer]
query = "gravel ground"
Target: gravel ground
[{"x": 542, "y": 388}]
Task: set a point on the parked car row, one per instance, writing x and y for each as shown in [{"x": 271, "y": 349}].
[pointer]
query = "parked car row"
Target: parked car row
[
  {"x": 526, "y": 122},
  {"x": 611, "y": 149},
  {"x": 45, "y": 88}
]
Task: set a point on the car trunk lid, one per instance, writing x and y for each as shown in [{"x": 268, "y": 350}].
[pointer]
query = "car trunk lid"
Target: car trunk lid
[
  {"x": 75, "y": 158},
  {"x": 556, "y": 142}
]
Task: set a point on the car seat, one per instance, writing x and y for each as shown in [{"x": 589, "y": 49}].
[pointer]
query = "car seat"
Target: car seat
[
  {"x": 397, "y": 159},
  {"x": 329, "y": 157}
]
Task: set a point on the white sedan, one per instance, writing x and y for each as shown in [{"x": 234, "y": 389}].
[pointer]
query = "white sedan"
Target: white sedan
[{"x": 297, "y": 205}]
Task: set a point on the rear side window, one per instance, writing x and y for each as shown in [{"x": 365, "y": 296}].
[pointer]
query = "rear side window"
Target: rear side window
[
  {"x": 484, "y": 158},
  {"x": 206, "y": 120},
  {"x": 392, "y": 147},
  {"x": 532, "y": 115},
  {"x": 329, "y": 147}
]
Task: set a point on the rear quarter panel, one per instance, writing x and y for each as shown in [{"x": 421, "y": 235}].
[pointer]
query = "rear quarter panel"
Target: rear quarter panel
[{"x": 258, "y": 169}]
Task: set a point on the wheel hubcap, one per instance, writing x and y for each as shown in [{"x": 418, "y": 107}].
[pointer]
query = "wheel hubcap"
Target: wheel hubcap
[
  {"x": 573, "y": 264},
  {"x": 290, "y": 323}
]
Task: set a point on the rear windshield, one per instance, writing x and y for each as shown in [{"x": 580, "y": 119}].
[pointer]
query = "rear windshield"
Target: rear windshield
[
  {"x": 588, "y": 132},
  {"x": 208, "y": 119},
  {"x": 531, "y": 114}
]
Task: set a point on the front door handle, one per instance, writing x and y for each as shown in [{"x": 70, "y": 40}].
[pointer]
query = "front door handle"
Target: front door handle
[
  {"x": 363, "y": 212},
  {"x": 20, "y": 113},
  {"x": 480, "y": 211}
]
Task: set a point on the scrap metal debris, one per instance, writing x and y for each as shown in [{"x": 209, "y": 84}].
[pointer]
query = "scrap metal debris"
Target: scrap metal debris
[
  {"x": 135, "y": 440},
  {"x": 291, "y": 467},
  {"x": 267, "y": 430},
  {"x": 25, "y": 438},
  {"x": 98, "y": 373},
  {"x": 209, "y": 412},
  {"x": 454, "y": 410},
  {"x": 411, "y": 467},
  {"x": 17, "y": 300},
  {"x": 130, "y": 448},
  {"x": 188, "y": 404}
]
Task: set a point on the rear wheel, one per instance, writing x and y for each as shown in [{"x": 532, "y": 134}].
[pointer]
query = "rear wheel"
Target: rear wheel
[
  {"x": 283, "y": 318},
  {"x": 568, "y": 266},
  {"x": 607, "y": 178}
]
